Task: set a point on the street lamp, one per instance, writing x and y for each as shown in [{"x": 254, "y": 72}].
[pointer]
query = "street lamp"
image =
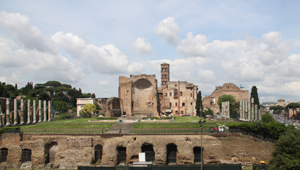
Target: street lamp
[{"x": 201, "y": 122}]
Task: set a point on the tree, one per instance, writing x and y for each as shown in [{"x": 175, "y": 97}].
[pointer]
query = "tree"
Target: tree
[
  {"x": 231, "y": 100},
  {"x": 292, "y": 106},
  {"x": 199, "y": 106},
  {"x": 87, "y": 110},
  {"x": 277, "y": 109},
  {"x": 255, "y": 96},
  {"x": 60, "y": 106},
  {"x": 208, "y": 112},
  {"x": 286, "y": 153},
  {"x": 267, "y": 118}
]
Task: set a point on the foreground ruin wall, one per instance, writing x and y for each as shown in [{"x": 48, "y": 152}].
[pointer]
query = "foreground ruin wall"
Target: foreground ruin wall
[{"x": 75, "y": 150}]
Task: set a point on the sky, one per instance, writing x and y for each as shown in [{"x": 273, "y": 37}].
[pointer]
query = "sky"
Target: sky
[{"x": 90, "y": 43}]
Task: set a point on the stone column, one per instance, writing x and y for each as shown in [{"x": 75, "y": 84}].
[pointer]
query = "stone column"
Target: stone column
[
  {"x": 259, "y": 114},
  {"x": 252, "y": 109},
  {"x": 28, "y": 113},
  {"x": 40, "y": 111},
  {"x": 34, "y": 111},
  {"x": 7, "y": 113},
  {"x": 45, "y": 110},
  {"x": 249, "y": 110},
  {"x": 49, "y": 110},
  {"x": 255, "y": 111},
  {"x": 22, "y": 112},
  {"x": 241, "y": 109},
  {"x": 15, "y": 112},
  {"x": 1, "y": 114}
]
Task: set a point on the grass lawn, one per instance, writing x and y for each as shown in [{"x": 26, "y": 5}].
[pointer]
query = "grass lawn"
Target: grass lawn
[{"x": 81, "y": 125}]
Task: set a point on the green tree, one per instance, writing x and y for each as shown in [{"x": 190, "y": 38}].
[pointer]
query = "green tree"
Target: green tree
[
  {"x": 231, "y": 100},
  {"x": 199, "y": 106},
  {"x": 87, "y": 110},
  {"x": 267, "y": 118},
  {"x": 277, "y": 109},
  {"x": 208, "y": 112},
  {"x": 53, "y": 83},
  {"x": 254, "y": 95},
  {"x": 292, "y": 106},
  {"x": 60, "y": 106},
  {"x": 286, "y": 153}
]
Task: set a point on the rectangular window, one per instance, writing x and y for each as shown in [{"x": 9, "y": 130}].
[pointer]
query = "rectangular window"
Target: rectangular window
[
  {"x": 191, "y": 103},
  {"x": 166, "y": 69},
  {"x": 166, "y": 94},
  {"x": 191, "y": 94},
  {"x": 183, "y": 104},
  {"x": 170, "y": 104},
  {"x": 170, "y": 93},
  {"x": 175, "y": 104},
  {"x": 181, "y": 93}
]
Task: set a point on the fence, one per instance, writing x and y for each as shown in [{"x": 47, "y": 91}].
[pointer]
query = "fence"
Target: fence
[{"x": 169, "y": 167}]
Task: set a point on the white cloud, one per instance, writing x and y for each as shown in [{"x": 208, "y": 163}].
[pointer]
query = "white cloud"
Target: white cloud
[
  {"x": 168, "y": 29},
  {"x": 105, "y": 59},
  {"x": 18, "y": 26},
  {"x": 103, "y": 82},
  {"x": 141, "y": 47},
  {"x": 206, "y": 76}
]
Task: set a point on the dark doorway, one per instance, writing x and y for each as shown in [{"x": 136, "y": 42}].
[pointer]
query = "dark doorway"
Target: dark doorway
[
  {"x": 171, "y": 153},
  {"x": 121, "y": 155},
  {"x": 4, "y": 152},
  {"x": 148, "y": 149},
  {"x": 26, "y": 155},
  {"x": 51, "y": 150},
  {"x": 98, "y": 153},
  {"x": 116, "y": 108},
  {"x": 197, "y": 154}
]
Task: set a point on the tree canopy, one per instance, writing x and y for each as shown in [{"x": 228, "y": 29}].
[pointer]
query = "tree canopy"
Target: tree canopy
[
  {"x": 286, "y": 153},
  {"x": 267, "y": 118},
  {"x": 88, "y": 109},
  {"x": 231, "y": 100},
  {"x": 277, "y": 109}
]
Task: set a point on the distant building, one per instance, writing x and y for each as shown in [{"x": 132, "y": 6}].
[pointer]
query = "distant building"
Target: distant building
[{"x": 227, "y": 89}]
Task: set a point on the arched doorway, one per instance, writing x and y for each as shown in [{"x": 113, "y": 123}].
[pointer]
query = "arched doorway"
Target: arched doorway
[
  {"x": 148, "y": 149},
  {"x": 171, "y": 153},
  {"x": 98, "y": 153},
  {"x": 51, "y": 150},
  {"x": 121, "y": 155}
]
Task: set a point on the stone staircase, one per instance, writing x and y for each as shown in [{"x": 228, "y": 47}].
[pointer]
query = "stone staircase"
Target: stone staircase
[{"x": 121, "y": 128}]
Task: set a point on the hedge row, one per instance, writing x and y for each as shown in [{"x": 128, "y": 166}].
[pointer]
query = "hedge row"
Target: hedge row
[
  {"x": 107, "y": 118},
  {"x": 267, "y": 130}
]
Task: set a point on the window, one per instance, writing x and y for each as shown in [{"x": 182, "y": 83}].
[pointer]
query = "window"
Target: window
[
  {"x": 4, "y": 152},
  {"x": 26, "y": 155},
  {"x": 175, "y": 104},
  {"x": 181, "y": 93},
  {"x": 166, "y": 94},
  {"x": 183, "y": 104},
  {"x": 166, "y": 69},
  {"x": 98, "y": 153},
  {"x": 191, "y": 94},
  {"x": 170, "y": 104},
  {"x": 175, "y": 94},
  {"x": 182, "y": 112},
  {"x": 170, "y": 93},
  {"x": 166, "y": 76},
  {"x": 191, "y": 103},
  {"x": 163, "y": 69}
]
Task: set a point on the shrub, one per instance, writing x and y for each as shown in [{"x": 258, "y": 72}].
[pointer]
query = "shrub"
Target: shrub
[{"x": 107, "y": 118}]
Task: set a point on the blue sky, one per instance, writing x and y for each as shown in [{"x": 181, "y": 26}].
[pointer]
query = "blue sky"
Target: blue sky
[{"x": 89, "y": 44}]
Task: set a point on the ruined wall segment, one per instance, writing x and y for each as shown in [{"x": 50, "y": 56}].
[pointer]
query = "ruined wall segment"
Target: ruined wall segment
[{"x": 227, "y": 89}]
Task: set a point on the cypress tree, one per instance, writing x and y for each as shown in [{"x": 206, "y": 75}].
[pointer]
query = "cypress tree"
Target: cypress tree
[
  {"x": 199, "y": 106},
  {"x": 255, "y": 95}
]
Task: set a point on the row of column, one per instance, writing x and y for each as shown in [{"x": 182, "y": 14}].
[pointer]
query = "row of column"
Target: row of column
[
  {"x": 29, "y": 112},
  {"x": 249, "y": 111}
]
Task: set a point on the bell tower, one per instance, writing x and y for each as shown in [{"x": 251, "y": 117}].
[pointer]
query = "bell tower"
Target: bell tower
[{"x": 165, "y": 74}]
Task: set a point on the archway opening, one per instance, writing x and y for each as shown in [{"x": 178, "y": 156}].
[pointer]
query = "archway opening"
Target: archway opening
[
  {"x": 171, "y": 153},
  {"x": 121, "y": 155},
  {"x": 148, "y": 149},
  {"x": 4, "y": 152},
  {"x": 98, "y": 153},
  {"x": 51, "y": 150},
  {"x": 26, "y": 155}
]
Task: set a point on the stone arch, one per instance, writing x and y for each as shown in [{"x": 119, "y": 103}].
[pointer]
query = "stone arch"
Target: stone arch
[
  {"x": 121, "y": 158},
  {"x": 98, "y": 153},
  {"x": 171, "y": 153},
  {"x": 26, "y": 155},
  {"x": 149, "y": 152},
  {"x": 51, "y": 150},
  {"x": 4, "y": 152}
]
